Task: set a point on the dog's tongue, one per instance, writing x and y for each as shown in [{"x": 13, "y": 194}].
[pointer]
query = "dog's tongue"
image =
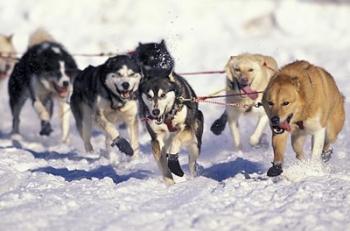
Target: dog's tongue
[
  {"x": 250, "y": 92},
  {"x": 285, "y": 125}
]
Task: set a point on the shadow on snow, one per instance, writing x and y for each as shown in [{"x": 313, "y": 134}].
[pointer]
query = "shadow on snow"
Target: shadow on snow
[{"x": 99, "y": 173}]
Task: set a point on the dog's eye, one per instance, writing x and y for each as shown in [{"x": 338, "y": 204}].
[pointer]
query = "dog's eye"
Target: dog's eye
[
  {"x": 285, "y": 103},
  {"x": 162, "y": 96},
  {"x": 250, "y": 70},
  {"x": 149, "y": 97},
  {"x": 113, "y": 75},
  {"x": 270, "y": 103},
  {"x": 237, "y": 69}
]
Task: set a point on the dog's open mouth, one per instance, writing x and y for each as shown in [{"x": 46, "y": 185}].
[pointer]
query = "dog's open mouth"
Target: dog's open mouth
[
  {"x": 126, "y": 94},
  {"x": 159, "y": 120},
  {"x": 61, "y": 91},
  {"x": 3, "y": 74},
  {"x": 283, "y": 126},
  {"x": 246, "y": 90}
]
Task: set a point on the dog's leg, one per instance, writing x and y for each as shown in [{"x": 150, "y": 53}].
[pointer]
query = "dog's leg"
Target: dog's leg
[
  {"x": 318, "y": 143},
  {"x": 279, "y": 142},
  {"x": 255, "y": 138},
  {"x": 64, "y": 114},
  {"x": 84, "y": 125},
  {"x": 298, "y": 141},
  {"x": 192, "y": 158},
  {"x": 133, "y": 130},
  {"x": 44, "y": 116},
  {"x": 16, "y": 104},
  {"x": 111, "y": 131},
  {"x": 233, "y": 117},
  {"x": 175, "y": 142},
  {"x": 160, "y": 157},
  {"x": 48, "y": 103}
]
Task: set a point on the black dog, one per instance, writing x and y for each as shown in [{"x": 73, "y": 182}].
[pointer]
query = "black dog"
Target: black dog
[
  {"x": 45, "y": 71},
  {"x": 154, "y": 59}
]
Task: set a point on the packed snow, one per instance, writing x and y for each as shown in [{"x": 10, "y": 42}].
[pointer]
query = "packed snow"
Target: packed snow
[{"x": 47, "y": 185}]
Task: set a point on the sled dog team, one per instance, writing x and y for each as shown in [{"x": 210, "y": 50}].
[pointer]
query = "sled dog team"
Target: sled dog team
[{"x": 299, "y": 98}]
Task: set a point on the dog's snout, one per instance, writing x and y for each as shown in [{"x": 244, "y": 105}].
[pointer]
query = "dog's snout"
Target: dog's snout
[
  {"x": 125, "y": 85},
  {"x": 275, "y": 121},
  {"x": 65, "y": 83},
  {"x": 156, "y": 112}
]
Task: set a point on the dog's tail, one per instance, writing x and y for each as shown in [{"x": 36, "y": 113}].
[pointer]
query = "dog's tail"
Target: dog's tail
[{"x": 40, "y": 35}]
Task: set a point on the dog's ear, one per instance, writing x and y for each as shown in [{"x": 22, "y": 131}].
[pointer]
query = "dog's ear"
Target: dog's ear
[
  {"x": 269, "y": 63},
  {"x": 162, "y": 43},
  {"x": 109, "y": 63},
  {"x": 171, "y": 77},
  {"x": 9, "y": 38},
  {"x": 295, "y": 81},
  {"x": 228, "y": 68}
]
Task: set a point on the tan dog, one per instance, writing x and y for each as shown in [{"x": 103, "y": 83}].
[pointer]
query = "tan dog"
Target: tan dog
[
  {"x": 247, "y": 74},
  {"x": 303, "y": 99},
  {"x": 7, "y": 56}
]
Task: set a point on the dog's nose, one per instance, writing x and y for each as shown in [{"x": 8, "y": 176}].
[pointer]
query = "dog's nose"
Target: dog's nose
[
  {"x": 156, "y": 112},
  {"x": 275, "y": 121},
  {"x": 125, "y": 85},
  {"x": 65, "y": 83}
]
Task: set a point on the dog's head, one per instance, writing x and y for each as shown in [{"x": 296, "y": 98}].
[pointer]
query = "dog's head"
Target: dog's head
[
  {"x": 54, "y": 67},
  {"x": 7, "y": 56},
  {"x": 282, "y": 102},
  {"x": 154, "y": 59},
  {"x": 159, "y": 96},
  {"x": 250, "y": 72},
  {"x": 122, "y": 75}
]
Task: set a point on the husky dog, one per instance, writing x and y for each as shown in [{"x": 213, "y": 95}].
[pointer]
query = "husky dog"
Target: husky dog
[
  {"x": 247, "y": 74},
  {"x": 154, "y": 58},
  {"x": 171, "y": 122},
  {"x": 7, "y": 56},
  {"x": 45, "y": 71},
  {"x": 105, "y": 95},
  {"x": 303, "y": 99}
]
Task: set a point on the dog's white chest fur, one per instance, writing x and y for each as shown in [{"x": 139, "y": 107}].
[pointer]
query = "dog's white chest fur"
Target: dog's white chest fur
[
  {"x": 129, "y": 110},
  {"x": 313, "y": 124},
  {"x": 177, "y": 122}
]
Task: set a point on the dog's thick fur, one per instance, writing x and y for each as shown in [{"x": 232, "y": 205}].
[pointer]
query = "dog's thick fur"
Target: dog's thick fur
[
  {"x": 303, "y": 99},
  {"x": 247, "y": 74},
  {"x": 171, "y": 123},
  {"x": 44, "y": 72},
  {"x": 154, "y": 59},
  {"x": 7, "y": 56},
  {"x": 105, "y": 95}
]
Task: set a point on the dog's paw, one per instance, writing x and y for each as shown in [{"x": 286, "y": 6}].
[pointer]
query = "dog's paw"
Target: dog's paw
[
  {"x": 218, "y": 127},
  {"x": 275, "y": 170},
  {"x": 123, "y": 145},
  {"x": 45, "y": 128},
  {"x": 174, "y": 164},
  {"x": 327, "y": 155}
]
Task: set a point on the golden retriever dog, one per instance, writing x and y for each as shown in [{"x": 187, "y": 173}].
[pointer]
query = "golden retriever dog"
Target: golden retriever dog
[
  {"x": 7, "y": 56},
  {"x": 247, "y": 74},
  {"x": 303, "y": 99}
]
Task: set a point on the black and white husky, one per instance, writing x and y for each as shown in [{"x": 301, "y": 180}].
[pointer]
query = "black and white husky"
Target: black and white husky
[
  {"x": 171, "y": 122},
  {"x": 44, "y": 72},
  {"x": 105, "y": 95}
]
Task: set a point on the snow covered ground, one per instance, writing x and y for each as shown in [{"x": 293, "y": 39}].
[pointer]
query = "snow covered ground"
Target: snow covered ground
[{"x": 46, "y": 185}]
